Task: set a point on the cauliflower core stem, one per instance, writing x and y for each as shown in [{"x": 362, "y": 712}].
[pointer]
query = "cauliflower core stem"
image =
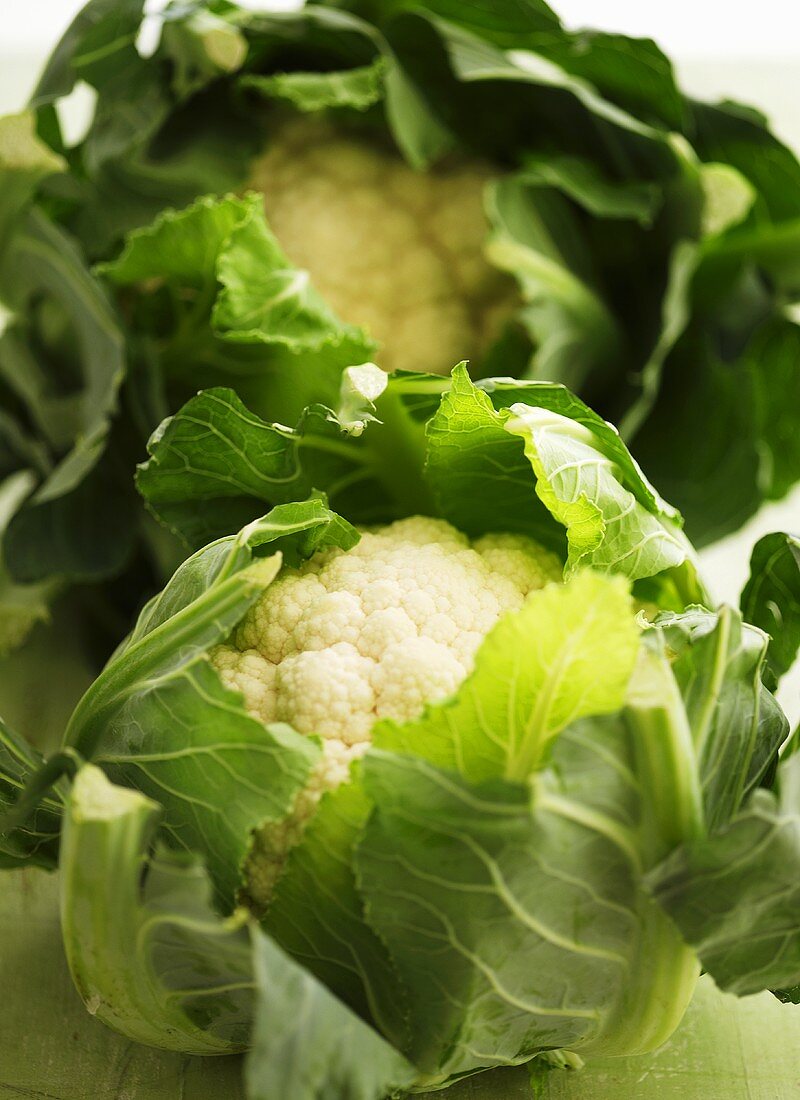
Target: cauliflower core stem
[
  {"x": 375, "y": 632},
  {"x": 397, "y": 251}
]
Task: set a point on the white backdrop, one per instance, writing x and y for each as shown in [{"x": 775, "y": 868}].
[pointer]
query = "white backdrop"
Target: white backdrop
[{"x": 685, "y": 28}]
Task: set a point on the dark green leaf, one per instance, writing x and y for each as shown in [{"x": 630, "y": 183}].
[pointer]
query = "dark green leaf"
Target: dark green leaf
[
  {"x": 148, "y": 953},
  {"x": 771, "y": 597},
  {"x": 718, "y": 662},
  {"x": 306, "y": 1044},
  {"x": 36, "y": 841}
]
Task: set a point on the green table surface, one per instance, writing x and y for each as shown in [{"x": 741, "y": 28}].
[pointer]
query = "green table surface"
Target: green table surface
[{"x": 52, "y": 1049}]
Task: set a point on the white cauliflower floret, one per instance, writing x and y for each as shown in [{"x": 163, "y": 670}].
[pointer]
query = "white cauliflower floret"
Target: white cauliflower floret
[
  {"x": 376, "y": 632},
  {"x": 397, "y": 251}
]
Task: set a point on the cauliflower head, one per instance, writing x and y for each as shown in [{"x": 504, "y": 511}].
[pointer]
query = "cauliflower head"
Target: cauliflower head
[
  {"x": 378, "y": 631},
  {"x": 397, "y": 251}
]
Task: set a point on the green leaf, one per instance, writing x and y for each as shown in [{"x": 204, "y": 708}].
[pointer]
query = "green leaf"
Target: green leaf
[
  {"x": 773, "y": 359},
  {"x": 25, "y": 160},
  {"x": 35, "y": 842},
  {"x": 474, "y": 60},
  {"x": 606, "y": 527},
  {"x": 147, "y": 952},
  {"x": 568, "y": 653},
  {"x": 263, "y": 298},
  {"x": 737, "y": 730},
  {"x": 182, "y": 245},
  {"x": 215, "y": 465},
  {"x": 159, "y": 719},
  {"x": 357, "y": 89},
  {"x": 217, "y": 302},
  {"x": 771, "y": 597},
  {"x": 735, "y": 895},
  {"x": 307, "y": 1044},
  {"x": 63, "y": 356},
  {"x": 709, "y": 463},
  {"x": 317, "y": 914},
  {"x": 580, "y": 470},
  {"x": 21, "y": 605},
  {"x": 582, "y": 181},
  {"x": 525, "y": 902},
  {"x": 536, "y": 238}
]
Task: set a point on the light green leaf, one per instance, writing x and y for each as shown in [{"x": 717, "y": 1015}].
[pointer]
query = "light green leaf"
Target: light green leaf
[
  {"x": 147, "y": 952},
  {"x": 264, "y": 298},
  {"x": 181, "y": 244},
  {"x": 728, "y": 197},
  {"x": 570, "y": 459},
  {"x": 357, "y": 88},
  {"x": 584, "y": 489},
  {"x": 24, "y": 160},
  {"x": 568, "y": 653},
  {"x": 218, "y": 303}
]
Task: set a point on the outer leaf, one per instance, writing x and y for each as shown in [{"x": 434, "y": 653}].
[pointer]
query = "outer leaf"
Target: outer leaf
[
  {"x": 583, "y": 182},
  {"x": 307, "y": 1045},
  {"x": 536, "y": 238},
  {"x": 317, "y": 915},
  {"x": 568, "y": 653},
  {"x": 158, "y": 718},
  {"x": 773, "y": 357},
  {"x": 70, "y": 396},
  {"x": 180, "y": 244},
  {"x": 771, "y": 597},
  {"x": 264, "y": 298},
  {"x": 736, "y": 727},
  {"x": 735, "y": 895},
  {"x": 574, "y": 462},
  {"x": 217, "y": 302},
  {"x": 709, "y": 463},
  {"x": 36, "y": 841},
  {"x": 525, "y": 905},
  {"x": 149, "y": 955},
  {"x": 215, "y": 465},
  {"x": 606, "y": 527}
]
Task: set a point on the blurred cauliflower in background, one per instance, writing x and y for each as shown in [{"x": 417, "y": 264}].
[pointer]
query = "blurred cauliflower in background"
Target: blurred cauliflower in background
[{"x": 340, "y": 205}]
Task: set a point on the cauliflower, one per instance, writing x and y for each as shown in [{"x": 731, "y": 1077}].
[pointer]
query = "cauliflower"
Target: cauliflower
[
  {"x": 375, "y": 632},
  {"x": 340, "y": 205}
]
